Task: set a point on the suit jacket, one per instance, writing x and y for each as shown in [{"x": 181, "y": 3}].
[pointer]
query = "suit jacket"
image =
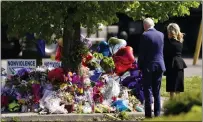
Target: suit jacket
[
  {"x": 172, "y": 55},
  {"x": 151, "y": 51}
]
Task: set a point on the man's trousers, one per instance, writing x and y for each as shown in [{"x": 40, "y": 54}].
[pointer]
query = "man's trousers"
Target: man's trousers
[{"x": 152, "y": 82}]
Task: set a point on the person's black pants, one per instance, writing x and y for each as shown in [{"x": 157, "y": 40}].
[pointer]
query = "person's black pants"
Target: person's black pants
[{"x": 152, "y": 82}]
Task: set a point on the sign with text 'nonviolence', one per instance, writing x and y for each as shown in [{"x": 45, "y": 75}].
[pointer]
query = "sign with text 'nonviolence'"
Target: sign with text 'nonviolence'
[
  {"x": 13, "y": 65},
  {"x": 54, "y": 64}
]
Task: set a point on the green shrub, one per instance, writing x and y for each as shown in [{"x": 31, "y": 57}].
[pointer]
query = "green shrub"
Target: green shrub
[
  {"x": 195, "y": 114},
  {"x": 183, "y": 103}
]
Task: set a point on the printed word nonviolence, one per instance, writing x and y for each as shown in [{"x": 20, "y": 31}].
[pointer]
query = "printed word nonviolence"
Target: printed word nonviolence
[{"x": 22, "y": 63}]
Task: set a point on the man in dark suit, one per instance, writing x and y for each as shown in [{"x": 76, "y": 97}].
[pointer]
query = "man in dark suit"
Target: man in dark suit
[{"x": 151, "y": 63}]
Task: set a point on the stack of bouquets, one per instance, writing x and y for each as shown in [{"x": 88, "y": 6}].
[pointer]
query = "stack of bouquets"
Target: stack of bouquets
[
  {"x": 22, "y": 90},
  {"x": 49, "y": 90}
]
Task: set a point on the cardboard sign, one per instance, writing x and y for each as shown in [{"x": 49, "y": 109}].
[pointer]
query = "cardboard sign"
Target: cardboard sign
[
  {"x": 54, "y": 64},
  {"x": 14, "y": 65}
]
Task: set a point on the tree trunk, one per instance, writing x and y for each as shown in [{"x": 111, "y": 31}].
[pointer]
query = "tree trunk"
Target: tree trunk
[{"x": 70, "y": 36}]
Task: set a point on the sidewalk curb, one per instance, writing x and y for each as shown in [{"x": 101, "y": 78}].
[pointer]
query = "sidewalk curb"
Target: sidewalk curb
[{"x": 59, "y": 117}]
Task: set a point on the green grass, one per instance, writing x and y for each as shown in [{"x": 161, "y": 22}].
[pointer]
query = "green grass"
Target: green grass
[
  {"x": 190, "y": 84},
  {"x": 184, "y": 107},
  {"x": 195, "y": 114}
]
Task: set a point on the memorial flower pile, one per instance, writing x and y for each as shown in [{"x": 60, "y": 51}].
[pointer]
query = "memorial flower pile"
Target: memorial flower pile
[{"x": 98, "y": 87}]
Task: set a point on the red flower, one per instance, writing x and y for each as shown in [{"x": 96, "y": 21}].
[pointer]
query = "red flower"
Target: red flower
[
  {"x": 86, "y": 59},
  {"x": 57, "y": 74}
]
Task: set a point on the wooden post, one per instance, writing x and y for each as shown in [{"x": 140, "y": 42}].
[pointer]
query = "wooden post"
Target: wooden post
[{"x": 198, "y": 45}]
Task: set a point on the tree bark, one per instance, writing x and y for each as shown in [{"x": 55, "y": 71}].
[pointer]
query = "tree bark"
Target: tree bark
[{"x": 70, "y": 36}]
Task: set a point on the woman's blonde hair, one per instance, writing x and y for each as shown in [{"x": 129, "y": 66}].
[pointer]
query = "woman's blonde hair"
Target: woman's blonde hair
[{"x": 174, "y": 31}]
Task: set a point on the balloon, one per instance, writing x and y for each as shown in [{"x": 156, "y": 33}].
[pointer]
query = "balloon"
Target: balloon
[
  {"x": 135, "y": 72},
  {"x": 124, "y": 60},
  {"x": 132, "y": 85},
  {"x": 104, "y": 48},
  {"x": 116, "y": 44},
  {"x": 128, "y": 80},
  {"x": 121, "y": 105}
]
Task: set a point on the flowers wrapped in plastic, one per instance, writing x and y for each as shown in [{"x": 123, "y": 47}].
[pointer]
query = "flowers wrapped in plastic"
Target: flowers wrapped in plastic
[
  {"x": 85, "y": 41},
  {"x": 134, "y": 81},
  {"x": 87, "y": 108},
  {"x": 52, "y": 103},
  {"x": 111, "y": 89}
]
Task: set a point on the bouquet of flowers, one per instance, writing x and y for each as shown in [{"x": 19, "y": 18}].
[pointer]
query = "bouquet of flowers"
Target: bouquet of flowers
[{"x": 107, "y": 64}]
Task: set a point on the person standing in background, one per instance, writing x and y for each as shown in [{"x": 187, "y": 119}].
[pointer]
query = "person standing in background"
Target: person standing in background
[
  {"x": 173, "y": 61},
  {"x": 151, "y": 63},
  {"x": 59, "y": 50},
  {"x": 30, "y": 50},
  {"x": 123, "y": 35}
]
